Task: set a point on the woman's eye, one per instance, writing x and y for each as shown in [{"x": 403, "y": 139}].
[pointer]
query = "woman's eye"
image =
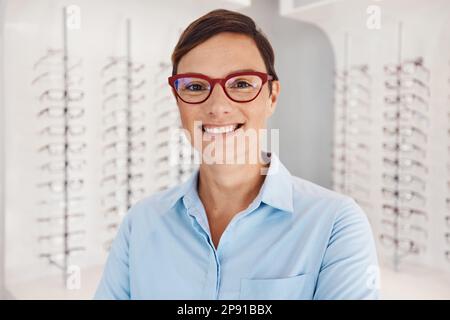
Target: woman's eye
[
  {"x": 241, "y": 84},
  {"x": 194, "y": 87}
]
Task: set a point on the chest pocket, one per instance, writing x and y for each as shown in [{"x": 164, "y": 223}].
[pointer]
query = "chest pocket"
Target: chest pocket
[{"x": 299, "y": 287}]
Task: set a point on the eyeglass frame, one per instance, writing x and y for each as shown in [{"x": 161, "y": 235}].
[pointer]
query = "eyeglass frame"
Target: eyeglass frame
[
  {"x": 212, "y": 82},
  {"x": 62, "y": 112},
  {"x": 414, "y": 246},
  {"x": 400, "y": 211}
]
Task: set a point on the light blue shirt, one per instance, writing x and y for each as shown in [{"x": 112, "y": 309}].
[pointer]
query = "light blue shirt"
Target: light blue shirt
[{"x": 296, "y": 240}]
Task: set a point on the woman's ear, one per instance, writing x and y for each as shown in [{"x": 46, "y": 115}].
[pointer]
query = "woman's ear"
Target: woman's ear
[{"x": 273, "y": 98}]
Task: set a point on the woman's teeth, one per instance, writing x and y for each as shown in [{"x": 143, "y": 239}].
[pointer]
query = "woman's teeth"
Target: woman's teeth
[{"x": 224, "y": 129}]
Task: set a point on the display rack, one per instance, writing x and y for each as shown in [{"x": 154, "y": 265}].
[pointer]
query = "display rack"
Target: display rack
[
  {"x": 60, "y": 215},
  {"x": 123, "y": 136},
  {"x": 352, "y": 128},
  {"x": 405, "y": 148}
]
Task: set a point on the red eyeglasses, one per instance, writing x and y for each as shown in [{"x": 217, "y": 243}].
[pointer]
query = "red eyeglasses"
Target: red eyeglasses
[{"x": 194, "y": 88}]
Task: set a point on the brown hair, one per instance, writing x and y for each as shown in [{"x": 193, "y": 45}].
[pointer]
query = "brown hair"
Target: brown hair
[{"x": 218, "y": 21}]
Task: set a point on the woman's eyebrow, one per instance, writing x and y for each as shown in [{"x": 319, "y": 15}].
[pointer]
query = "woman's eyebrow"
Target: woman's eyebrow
[
  {"x": 241, "y": 70},
  {"x": 232, "y": 72}
]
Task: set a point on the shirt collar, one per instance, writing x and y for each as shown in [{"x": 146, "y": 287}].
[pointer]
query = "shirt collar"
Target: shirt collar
[{"x": 276, "y": 190}]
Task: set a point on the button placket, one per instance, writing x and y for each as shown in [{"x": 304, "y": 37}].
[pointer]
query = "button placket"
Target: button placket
[
  {"x": 215, "y": 277},
  {"x": 212, "y": 277},
  {"x": 226, "y": 238}
]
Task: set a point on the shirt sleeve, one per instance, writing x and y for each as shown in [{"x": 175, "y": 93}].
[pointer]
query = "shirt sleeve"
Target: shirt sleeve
[
  {"x": 349, "y": 267},
  {"x": 115, "y": 284}
]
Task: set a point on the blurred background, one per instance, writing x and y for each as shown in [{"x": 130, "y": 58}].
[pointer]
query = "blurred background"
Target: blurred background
[{"x": 364, "y": 110}]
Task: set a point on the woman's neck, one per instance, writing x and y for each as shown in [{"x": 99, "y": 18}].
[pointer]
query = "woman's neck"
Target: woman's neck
[{"x": 229, "y": 189}]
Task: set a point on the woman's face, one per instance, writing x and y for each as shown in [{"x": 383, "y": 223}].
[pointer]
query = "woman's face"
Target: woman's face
[{"x": 218, "y": 57}]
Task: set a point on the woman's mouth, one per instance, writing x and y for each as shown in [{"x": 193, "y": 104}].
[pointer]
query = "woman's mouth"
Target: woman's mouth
[{"x": 220, "y": 129}]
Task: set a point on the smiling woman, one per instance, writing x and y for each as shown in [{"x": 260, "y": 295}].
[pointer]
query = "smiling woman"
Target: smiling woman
[{"x": 237, "y": 228}]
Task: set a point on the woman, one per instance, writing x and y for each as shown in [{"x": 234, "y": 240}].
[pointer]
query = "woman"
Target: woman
[{"x": 240, "y": 229}]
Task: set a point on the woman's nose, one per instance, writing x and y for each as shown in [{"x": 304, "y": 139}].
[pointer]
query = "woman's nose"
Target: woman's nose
[{"x": 218, "y": 103}]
